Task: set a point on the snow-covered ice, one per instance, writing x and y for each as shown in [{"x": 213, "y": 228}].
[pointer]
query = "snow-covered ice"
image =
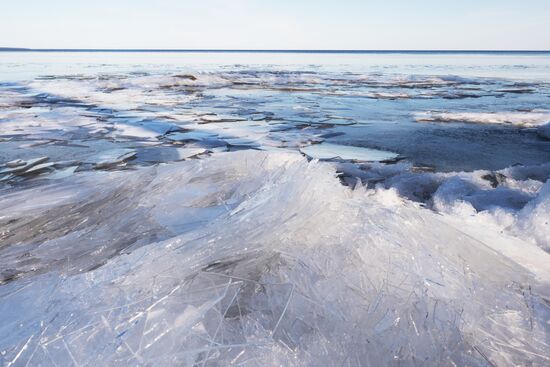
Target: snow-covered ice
[{"x": 521, "y": 119}]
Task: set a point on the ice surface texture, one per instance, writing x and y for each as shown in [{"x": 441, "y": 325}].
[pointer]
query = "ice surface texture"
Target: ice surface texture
[
  {"x": 334, "y": 151},
  {"x": 264, "y": 259},
  {"x": 512, "y": 199},
  {"x": 474, "y": 122},
  {"x": 522, "y": 119},
  {"x": 251, "y": 252}
]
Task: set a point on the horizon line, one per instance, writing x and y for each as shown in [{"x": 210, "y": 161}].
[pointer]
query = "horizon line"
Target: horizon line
[{"x": 21, "y": 49}]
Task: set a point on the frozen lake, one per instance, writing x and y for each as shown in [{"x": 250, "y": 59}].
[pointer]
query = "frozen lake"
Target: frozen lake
[{"x": 240, "y": 208}]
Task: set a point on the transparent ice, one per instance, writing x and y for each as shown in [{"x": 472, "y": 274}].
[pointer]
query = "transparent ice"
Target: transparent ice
[{"x": 170, "y": 209}]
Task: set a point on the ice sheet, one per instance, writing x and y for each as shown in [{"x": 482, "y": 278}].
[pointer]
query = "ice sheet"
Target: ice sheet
[
  {"x": 284, "y": 266},
  {"x": 334, "y": 151},
  {"x": 521, "y": 119}
]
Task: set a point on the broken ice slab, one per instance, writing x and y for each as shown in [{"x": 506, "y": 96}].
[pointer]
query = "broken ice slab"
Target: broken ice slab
[
  {"x": 206, "y": 119},
  {"x": 167, "y": 154},
  {"x": 62, "y": 173},
  {"x": 145, "y": 129},
  {"x": 39, "y": 168},
  {"x": 160, "y": 127},
  {"x": 36, "y": 143},
  {"x": 258, "y": 117},
  {"x": 242, "y": 142},
  {"x": 331, "y": 135},
  {"x": 275, "y": 127},
  {"x": 325, "y": 151},
  {"x": 15, "y": 163},
  {"x": 210, "y": 145},
  {"x": 134, "y": 131},
  {"x": 190, "y": 135},
  {"x": 185, "y": 76},
  {"x": 110, "y": 157},
  {"x": 298, "y": 119},
  {"x": 343, "y": 121},
  {"x": 219, "y": 149},
  {"x": 19, "y": 168},
  {"x": 65, "y": 164}
]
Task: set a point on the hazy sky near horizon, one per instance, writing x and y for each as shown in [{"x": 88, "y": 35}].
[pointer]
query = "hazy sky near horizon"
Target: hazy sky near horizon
[{"x": 276, "y": 24}]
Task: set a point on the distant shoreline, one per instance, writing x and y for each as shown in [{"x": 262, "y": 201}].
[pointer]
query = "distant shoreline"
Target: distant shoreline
[
  {"x": 14, "y": 49},
  {"x": 498, "y": 52}
]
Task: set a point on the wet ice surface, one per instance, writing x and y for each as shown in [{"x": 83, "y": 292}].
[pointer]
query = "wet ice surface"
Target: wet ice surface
[
  {"x": 327, "y": 151},
  {"x": 160, "y": 214}
]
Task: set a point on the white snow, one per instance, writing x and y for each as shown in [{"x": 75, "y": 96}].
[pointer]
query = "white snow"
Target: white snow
[
  {"x": 521, "y": 119},
  {"x": 534, "y": 218}
]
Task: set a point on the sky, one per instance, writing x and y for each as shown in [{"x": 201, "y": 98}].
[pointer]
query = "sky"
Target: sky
[{"x": 277, "y": 24}]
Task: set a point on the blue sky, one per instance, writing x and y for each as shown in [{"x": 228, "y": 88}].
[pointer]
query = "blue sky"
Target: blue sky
[{"x": 281, "y": 24}]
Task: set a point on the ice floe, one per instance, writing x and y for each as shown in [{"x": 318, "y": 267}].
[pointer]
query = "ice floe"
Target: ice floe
[
  {"x": 167, "y": 154},
  {"x": 346, "y": 152},
  {"x": 521, "y": 119},
  {"x": 111, "y": 157},
  {"x": 144, "y": 129},
  {"x": 191, "y": 135}
]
